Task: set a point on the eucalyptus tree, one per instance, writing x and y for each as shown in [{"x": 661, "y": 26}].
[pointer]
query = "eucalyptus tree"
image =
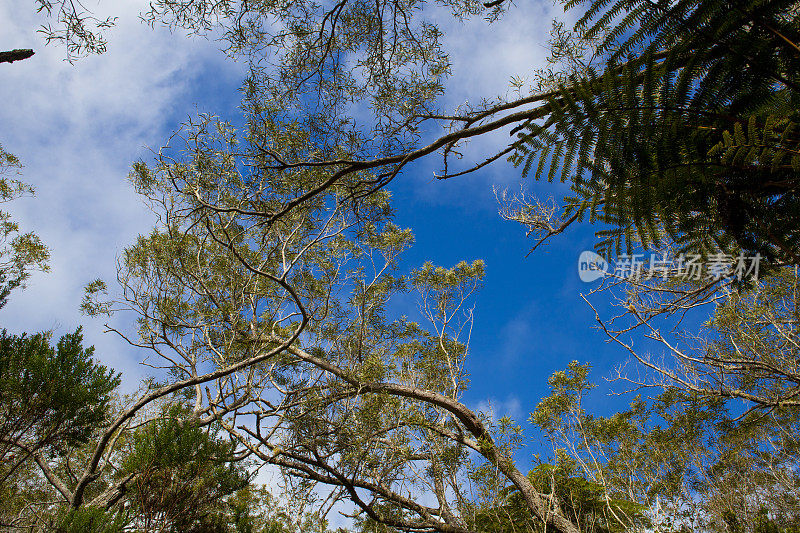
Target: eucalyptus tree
[
  {"x": 690, "y": 461},
  {"x": 20, "y": 253},
  {"x": 745, "y": 349},
  {"x": 70, "y": 24},
  {"x": 74, "y": 27},
  {"x": 586, "y": 502},
  {"x": 286, "y": 333}
]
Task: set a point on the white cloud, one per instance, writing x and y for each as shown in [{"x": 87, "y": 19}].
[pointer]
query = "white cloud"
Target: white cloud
[
  {"x": 485, "y": 56},
  {"x": 496, "y": 408},
  {"x": 77, "y": 128}
]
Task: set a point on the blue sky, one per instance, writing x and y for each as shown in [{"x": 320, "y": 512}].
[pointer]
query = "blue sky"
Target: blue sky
[
  {"x": 530, "y": 320},
  {"x": 77, "y": 128}
]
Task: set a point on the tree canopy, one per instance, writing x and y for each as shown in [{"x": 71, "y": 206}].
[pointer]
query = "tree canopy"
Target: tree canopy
[{"x": 266, "y": 295}]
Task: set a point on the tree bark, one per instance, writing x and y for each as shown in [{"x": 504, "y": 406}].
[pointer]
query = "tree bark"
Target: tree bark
[{"x": 15, "y": 55}]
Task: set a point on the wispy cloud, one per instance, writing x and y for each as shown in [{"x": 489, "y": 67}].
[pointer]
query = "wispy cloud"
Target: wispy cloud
[
  {"x": 498, "y": 408},
  {"x": 77, "y": 128}
]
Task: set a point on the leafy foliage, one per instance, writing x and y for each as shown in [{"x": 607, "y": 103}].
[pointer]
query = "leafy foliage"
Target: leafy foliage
[
  {"x": 585, "y": 502},
  {"x": 20, "y": 253},
  {"x": 51, "y": 397},
  {"x": 317, "y": 63},
  {"x": 685, "y": 459},
  {"x": 89, "y": 519},
  {"x": 76, "y": 28},
  {"x": 689, "y": 132},
  {"x": 182, "y": 474},
  {"x": 256, "y": 510},
  {"x": 751, "y": 343}
]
